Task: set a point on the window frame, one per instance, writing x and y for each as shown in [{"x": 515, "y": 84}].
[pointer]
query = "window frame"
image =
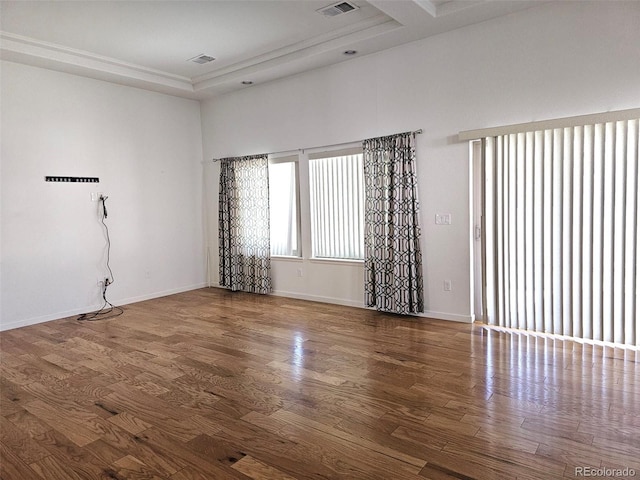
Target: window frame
[{"x": 295, "y": 159}]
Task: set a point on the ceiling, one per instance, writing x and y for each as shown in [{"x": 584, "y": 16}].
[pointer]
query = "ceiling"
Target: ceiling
[{"x": 148, "y": 44}]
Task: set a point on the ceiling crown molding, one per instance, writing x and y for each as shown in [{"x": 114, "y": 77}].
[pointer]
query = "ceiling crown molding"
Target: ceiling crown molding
[
  {"x": 349, "y": 33},
  {"x": 29, "y": 51},
  {"x": 437, "y": 9},
  {"x": 292, "y": 59}
]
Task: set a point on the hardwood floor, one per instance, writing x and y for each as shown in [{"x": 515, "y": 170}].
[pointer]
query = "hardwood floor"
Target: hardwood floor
[{"x": 214, "y": 385}]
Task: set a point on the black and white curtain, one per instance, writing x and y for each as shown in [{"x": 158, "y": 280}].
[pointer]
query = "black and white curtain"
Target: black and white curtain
[
  {"x": 392, "y": 258},
  {"x": 243, "y": 224}
]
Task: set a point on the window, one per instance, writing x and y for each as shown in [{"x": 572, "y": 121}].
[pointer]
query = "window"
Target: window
[
  {"x": 283, "y": 206},
  {"x": 336, "y": 201},
  {"x": 337, "y": 204}
]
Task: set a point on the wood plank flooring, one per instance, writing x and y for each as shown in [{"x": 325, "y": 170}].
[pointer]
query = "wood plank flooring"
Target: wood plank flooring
[{"x": 211, "y": 384}]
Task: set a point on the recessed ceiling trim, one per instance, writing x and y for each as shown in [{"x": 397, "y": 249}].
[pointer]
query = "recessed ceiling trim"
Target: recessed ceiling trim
[
  {"x": 455, "y": 6},
  {"x": 364, "y": 29},
  {"x": 17, "y": 45},
  {"x": 428, "y": 7},
  {"x": 300, "y": 55},
  {"x": 439, "y": 8}
]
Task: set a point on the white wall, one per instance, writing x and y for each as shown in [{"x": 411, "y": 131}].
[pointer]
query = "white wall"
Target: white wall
[
  {"x": 555, "y": 60},
  {"x": 147, "y": 150}
]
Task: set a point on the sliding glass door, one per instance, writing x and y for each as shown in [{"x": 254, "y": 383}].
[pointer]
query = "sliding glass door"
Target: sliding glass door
[{"x": 560, "y": 247}]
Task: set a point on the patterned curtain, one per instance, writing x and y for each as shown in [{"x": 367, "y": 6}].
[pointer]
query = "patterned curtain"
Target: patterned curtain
[
  {"x": 392, "y": 258},
  {"x": 243, "y": 224}
]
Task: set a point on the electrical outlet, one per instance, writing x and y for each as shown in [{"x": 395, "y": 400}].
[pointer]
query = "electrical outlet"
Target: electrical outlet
[
  {"x": 447, "y": 285},
  {"x": 95, "y": 196},
  {"x": 299, "y": 272}
]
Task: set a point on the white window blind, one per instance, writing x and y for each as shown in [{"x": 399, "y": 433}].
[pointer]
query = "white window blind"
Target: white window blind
[
  {"x": 283, "y": 208},
  {"x": 337, "y": 206},
  {"x": 562, "y": 236}
]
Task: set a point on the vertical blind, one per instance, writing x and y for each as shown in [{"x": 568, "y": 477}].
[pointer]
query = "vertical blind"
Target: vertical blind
[
  {"x": 562, "y": 237},
  {"x": 337, "y": 206}
]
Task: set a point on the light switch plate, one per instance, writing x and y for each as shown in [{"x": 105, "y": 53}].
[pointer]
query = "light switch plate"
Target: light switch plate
[{"x": 443, "y": 219}]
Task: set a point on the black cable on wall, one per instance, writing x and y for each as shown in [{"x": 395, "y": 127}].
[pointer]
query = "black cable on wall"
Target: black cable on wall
[{"x": 108, "y": 310}]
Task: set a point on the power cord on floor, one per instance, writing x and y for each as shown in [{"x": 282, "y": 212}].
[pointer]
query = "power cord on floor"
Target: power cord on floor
[{"x": 108, "y": 310}]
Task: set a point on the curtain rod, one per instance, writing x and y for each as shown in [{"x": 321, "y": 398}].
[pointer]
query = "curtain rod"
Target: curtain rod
[{"x": 415, "y": 132}]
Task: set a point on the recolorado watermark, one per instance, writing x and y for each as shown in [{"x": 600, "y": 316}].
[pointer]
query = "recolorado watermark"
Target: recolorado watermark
[{"x": 604, "y": 472}]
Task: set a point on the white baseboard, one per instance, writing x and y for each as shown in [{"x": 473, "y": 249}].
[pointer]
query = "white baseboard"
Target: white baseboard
[
  {"x": 453, "y": 317},
  {"x": 352, "y": 303},
  {"x": 90, "y": 308},
  {"x": 142, "y": 298},
  {"x": 300, "y": 296},
  {"x": 47, "y": 318},
  {"x": 318, "y": 298}
]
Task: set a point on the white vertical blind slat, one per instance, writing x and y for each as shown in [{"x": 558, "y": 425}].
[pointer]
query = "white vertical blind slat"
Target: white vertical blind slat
[
  {"x": 631, "y": 221},
  {"x": 547, "y": 226},
  {"x": 577, "y": 234},
  {"x": 512, "y": 206},
  {"x": 588, "y": 234},
  {"x": 607, "y": 232},
  {"x": 521, "y": 231},
  {"x": 313, "y": 199},
  {"x": 490, "y": 221},
  {"x": 619, "y": 231},
  {"x": 501, "y": 225},
  {"x": 557, "y": 291},
  {"x": 361, "y": 208},
  {"x": 635, "y": 159},
  {"x": 598, "y": 229},
  {"x": 338, "y": 207},
  {"x": 330, "y": 211},
  {"x": 352, "y": 230},
  {"x": 567, "y": 232},
  {"x": 538, "y": 287},
  {"x": 529, "y": 239}
]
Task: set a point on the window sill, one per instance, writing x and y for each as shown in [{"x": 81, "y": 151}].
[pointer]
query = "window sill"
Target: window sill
[
  {"x": 286, "y": 258},
  {"x": 337, "y": 261}
]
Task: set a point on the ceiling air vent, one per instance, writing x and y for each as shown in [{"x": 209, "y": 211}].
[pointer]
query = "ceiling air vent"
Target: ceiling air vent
[
  {"x": 337, "y": 9},
  {"x": 201, "y": 59}
]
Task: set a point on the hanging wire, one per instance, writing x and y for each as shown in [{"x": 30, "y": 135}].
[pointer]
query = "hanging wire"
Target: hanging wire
[{"x": 108, "y": 310}]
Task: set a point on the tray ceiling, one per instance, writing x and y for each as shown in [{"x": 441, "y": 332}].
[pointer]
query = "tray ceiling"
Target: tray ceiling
[{"x": 148, "y": 44}]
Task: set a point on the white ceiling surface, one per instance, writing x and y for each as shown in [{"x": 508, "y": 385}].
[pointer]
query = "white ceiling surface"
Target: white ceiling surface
[{"x": 147, "y": 44}]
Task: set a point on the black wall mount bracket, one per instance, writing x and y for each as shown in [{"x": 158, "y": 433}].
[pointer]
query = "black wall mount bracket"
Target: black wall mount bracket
[{"x": 72, "y": 179}]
